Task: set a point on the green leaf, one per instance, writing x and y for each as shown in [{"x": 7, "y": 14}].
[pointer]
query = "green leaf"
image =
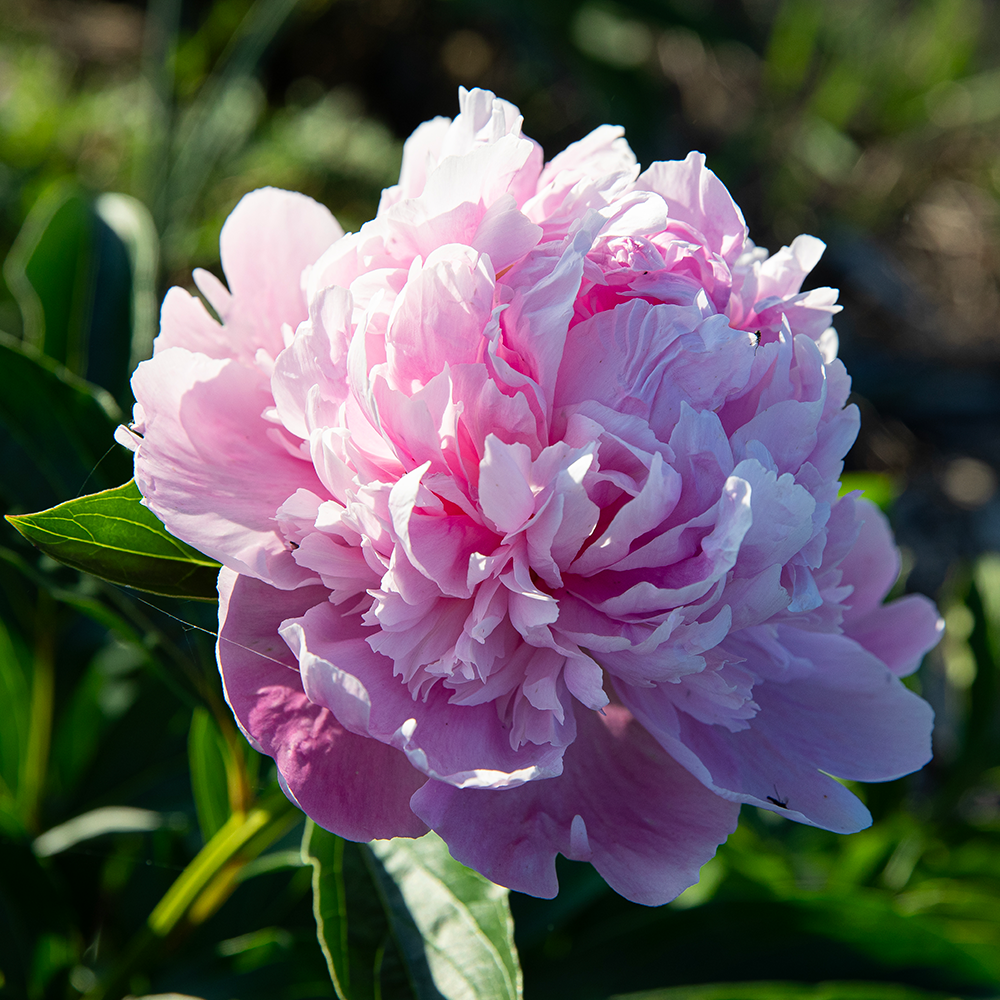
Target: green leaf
[
  {"x": 49, "y": 270},
  {"x": 113, "y": 536},
  {"x": 464, "y": 919},
  {"x": 768, "y": 990},
  {"x": 206, "y": 756},
  {"x": 878, "y": 487},
  {"x": 132, "y": 224},
  {"x": 83, "y": 272},
  {"x": 353, "y": 925},
  {"x": 15, "y": 696},
  {"x": 56, "y": 430},
  {"x": 409, "y": 902}
]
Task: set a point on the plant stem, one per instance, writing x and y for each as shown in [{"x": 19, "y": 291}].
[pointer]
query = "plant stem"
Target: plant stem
[
  {"x": 204, "y": 885},
  {"x": 36, "y": 756}
]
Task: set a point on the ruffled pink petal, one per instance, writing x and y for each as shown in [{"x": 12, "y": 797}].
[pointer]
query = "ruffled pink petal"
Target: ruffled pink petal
[
  {"x": 695, "y": 196},
  {"x": 841, "y": 712},
  {"x": 536, "y": 323},
  {"x": 439, "y": 317},
  {"x": 528, "y": 430},
  {"x": 621, "y": 803},
  {"x": 199, "y": 464},
  {"x": 310, "y": 375},
  {"x": 355, "y": 787},
  {"x": 467, "y": 746}
]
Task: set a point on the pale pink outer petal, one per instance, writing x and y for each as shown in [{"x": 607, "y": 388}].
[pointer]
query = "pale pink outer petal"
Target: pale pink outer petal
[
  {"x": 185, "y": 322},
  {"x": 621, "y": 803},
  {"x": 872, "y": 565},
  {"x": 604, "y": 152},
  {"x": 355, "y": 787},
  {"x": 210, "y": 467},
  {"x": 782, "y": 273},
  {"x": 421, "y": 153},
  {"x": 899, "y": 633},
  {"x": 266, "y": 243}
]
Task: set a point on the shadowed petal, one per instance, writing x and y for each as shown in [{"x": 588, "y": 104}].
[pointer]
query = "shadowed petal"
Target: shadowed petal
[
  {"x": 621, "y": 803},
  {"x": 355, "y": 787}
]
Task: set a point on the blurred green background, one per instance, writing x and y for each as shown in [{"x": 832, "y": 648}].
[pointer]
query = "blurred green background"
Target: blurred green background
[{"x": 128, "y": 131}]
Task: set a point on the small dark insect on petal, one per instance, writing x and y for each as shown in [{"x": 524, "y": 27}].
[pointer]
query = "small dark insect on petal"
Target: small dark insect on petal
[{"x": 777, "y": 800}]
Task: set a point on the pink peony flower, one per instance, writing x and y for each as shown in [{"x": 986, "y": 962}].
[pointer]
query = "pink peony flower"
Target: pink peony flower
[{"x": 526, "y": 497}]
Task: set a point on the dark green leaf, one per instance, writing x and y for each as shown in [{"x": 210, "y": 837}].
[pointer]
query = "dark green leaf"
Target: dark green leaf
[
  {"x": 83, "y": 273},
  {"x": 49, "y": 270},
  {"x": 131, "y": 224},
  {"x": 15, "y": 696},
  {"x": 56, "y": 431},
  {"x": 786, "y": 991},
  {"x": 34, "y": 915},
  {"x": 113, "y": 536},
  {"x": 206, "y": 756}
]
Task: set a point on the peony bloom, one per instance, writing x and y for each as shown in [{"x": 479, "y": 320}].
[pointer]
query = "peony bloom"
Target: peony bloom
[{"x": 526, "y": 498}]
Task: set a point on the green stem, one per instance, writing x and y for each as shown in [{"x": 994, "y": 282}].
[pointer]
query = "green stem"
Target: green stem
[
  {"x": 204, "y": 885},
  {"x": 36, "y": 756},
  {"x": 230, "y": 840}
]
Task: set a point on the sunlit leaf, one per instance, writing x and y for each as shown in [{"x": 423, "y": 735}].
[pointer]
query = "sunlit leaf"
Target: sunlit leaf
[
  {"x": 353, "y": 926},
  {"x": 463, "y": 918},
  {"x": 113, "y": 536},
  {"x": 96, "y": 823},
  {"x": 451, "y": 927},
  {"x": 83, "y": 271},
  {"x": 878, "y": 487},
  {"x": 124, "y": 309},
  {"x": 49, "y": 271}
]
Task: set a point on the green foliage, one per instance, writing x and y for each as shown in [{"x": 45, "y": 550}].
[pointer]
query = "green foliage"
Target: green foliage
[
  {"x": 354, "y": 924},
  {"x": 462, "y": 919},
  {"x": 402, "y": 918},
  {"x": 83, "y": 273},
  {"x": 112, "y": 535},
  {"x": 207, "y": 760},
  {"x": 787, "y": 991},
  {"x": 55, "y": 430}
]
